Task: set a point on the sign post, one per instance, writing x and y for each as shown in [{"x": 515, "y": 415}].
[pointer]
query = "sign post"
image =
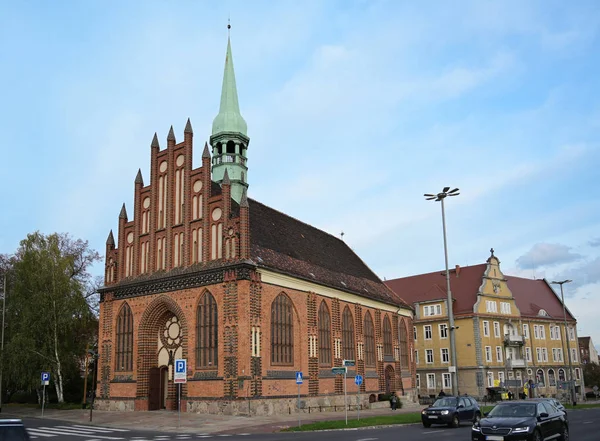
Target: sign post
[
  {"x": 299, "y": 382},
  {"x": 45, "y": 382},
  {"x": 346, "y": 364},
  {"x": 358, "y": 381},
  {"x": 179, "y": 378},
  {"x": 342, "y": 370}
]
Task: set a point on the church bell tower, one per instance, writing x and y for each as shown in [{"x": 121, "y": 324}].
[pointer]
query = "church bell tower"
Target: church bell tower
[{"x": 229, "y": 139}]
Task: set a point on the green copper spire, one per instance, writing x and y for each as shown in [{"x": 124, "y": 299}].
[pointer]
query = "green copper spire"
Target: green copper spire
[{"x": 229, "y": 118}]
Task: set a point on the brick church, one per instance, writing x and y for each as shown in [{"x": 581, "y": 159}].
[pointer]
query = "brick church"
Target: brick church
[{"x": 246, "y": 294}]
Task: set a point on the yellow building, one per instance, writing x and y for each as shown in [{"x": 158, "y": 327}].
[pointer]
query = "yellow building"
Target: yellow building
[{"x": 510, "y": 333}]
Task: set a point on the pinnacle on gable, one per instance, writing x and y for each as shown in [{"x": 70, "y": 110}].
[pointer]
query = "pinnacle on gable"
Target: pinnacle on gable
[
  {"x": 206, "y": 152},
  {"x": 188, "y": 127},
  {"x": 171, "y": 135},
  {"x": 123, "y": 214},
  {"x": 138, "y": 178},
  {"x": 111, "y": 239},
  {"x": 244, "y": 200},
  {"x": 226, "y": 180},
  {"x": 155, "y": 143}
]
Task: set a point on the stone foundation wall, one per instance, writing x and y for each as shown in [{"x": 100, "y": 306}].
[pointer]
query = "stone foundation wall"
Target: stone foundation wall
[{"x": 117, "y": 405}]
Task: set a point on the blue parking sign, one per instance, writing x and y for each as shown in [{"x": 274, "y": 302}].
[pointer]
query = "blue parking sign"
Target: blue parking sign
[
  {"x": 298, "y": 377},
  {"x": 45, "y": 377}
]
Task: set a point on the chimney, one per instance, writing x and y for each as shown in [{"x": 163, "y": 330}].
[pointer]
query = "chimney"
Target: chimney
[{"x": 457, "y": 269}]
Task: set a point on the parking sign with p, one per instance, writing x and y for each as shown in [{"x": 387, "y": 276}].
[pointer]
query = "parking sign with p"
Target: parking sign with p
[
  {"x": 45, "y": 378},
  {"x": 180, "y": 371}
]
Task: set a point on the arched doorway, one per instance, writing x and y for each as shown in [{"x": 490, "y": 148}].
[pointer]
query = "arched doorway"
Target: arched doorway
[
  {"x": 390, "y": 380},
  {"x": 162, "y": 339}
]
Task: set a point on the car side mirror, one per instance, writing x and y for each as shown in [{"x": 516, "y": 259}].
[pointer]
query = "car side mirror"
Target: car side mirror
[
  {"x": 543, "y": 415},
  {"x": 485, "y": 414},
  {"x": 460, "y": 406}
]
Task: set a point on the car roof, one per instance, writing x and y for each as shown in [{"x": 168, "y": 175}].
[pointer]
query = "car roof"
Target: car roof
[{"x": 10, "y": 421}]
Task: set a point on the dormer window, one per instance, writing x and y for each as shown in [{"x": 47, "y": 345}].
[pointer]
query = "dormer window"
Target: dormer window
[{"x": 543, "y": 313}]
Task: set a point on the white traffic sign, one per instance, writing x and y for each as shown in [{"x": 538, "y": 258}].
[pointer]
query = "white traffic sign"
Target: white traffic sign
[
  {"x": 180, "y": 371},
  {"x": 298, "y": 377},
  {"x": 45, "y": 378}
]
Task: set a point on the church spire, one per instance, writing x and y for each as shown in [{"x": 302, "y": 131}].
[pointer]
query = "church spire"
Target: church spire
[
  {"x": 229, "y": 139},
  {"x": 229, "y": 118}
]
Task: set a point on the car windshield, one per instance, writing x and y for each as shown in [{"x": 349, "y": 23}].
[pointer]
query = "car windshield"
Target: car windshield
[
  {"x": 445, "y": 402},
  {"x": 12, "y": 433},
  {"x": 513, "y": 410}
]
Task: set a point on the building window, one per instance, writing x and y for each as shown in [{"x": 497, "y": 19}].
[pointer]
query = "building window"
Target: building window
[
  {"x": 540, "y": 379},
  {"x": 496, "y": 329},
  {"x": 491, "y": 306},
  {"x": 282, "y": 331},
  {"x": 347, "y": 334},
  {"x": 501, "y": 378},
  {"x": 207, "y": 332},
  {"x": 324, "y": 335},
  {"x": 574, "y": 355},
  {"x": 542, "y": 331},
  {"x": 431, "y": 381},
  {"x": 427, "y": 332},
  {"x": 528, "y": 354},
  {"x": 443, "y": 330},
  {"x": 387, "y": 337},
  {"x": 445, "y": 355},
  {"x": 124, "y": 354},
  {"x": 499, "y": 354},
  {"x": 429, "y": 356},
  {"x": 486, "y": 328},
  {"x": 571, "y": 333},
  {"x": 488, "y": 354},
  {"x": 418, "y": 378},
  {"x": 415, "y": 333},
  {"x": 416, "y": 357},
  {"x": 490, "y": 379},
  {"x": 561, "y": 375},
  {"x": 447, "y": 381},
  {"x": 369, "y": 333},
  {"x": 577, "y": 374},
  {"x": 403, "y": 341},
  {"x": 526, "y": 330},
  {"x": 551, "y": 377},
  {"x": 505, "y": 307},
  {"x": 429, "y": 310}
]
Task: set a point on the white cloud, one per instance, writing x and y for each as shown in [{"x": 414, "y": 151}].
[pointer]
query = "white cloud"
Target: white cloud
[{"x": 546, "y": 254}]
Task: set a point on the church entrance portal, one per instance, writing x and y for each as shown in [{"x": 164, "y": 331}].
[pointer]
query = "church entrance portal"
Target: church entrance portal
[{"x": 390, "y": 380}]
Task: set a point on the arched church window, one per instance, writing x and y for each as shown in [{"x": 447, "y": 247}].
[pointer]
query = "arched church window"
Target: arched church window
[
  {"x": 207, "y": 332},
  {"x": 282, "y": 331},
  {"x": 403, "y": 337},
  {"x": 347, "y": 335},
  {"x": 324, "y": 335},
  {"x": 369, "y": 336},
  {"x": 124, "y": 355},
  {"x": 387, "y": 337}
]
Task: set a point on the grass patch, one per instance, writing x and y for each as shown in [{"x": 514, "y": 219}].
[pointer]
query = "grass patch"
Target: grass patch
[
  {"x": 402, "y": 418},
  {"x": 63, "y": 406},
  {"x": 582, "y": 406}
]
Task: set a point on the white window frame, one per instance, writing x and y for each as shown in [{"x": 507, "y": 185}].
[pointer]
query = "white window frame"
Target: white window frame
[
  {"x": 528, "y": 354},
  {"x": 443, "y": 328},
  {"x": 538, "y": 354},
  {"x": 525, "y": 330},
  {"x": 429, "y": 386},
  {"x": 416, "y": 356},
  {"x": 447, "y": 355},
  {"x": 429, "y": 352},
  {"x": 488, "y": 354},
  {"x": 418, "y": 380},
  {"x": 490, "y": 379},
  {"x": 446, "y": 380},
  {"x": 536, "y": 332},
  {"x": 499, "y": 356},
  {"x": 496, "y": 329},
  {"x": 542, "y": 332},
  {"x": 486, "y": 328},
  {"x": 505, "y": 308},
  {"x": 574, "y": 355},
  {"x": 501, "y": 377},
  {"x": 491, "y": 306},
  {"x": 427, "y": 328},
  {"x": 545, "y": 355},
  {"x": 571, "y": 333},
  {"x": 415, "y": 333}
]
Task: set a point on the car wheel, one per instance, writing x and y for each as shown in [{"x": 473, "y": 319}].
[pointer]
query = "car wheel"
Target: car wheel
[
  {"x": 477, "y": 417},
  {"x": 537, "y": 436},
  {"x": 427, "y": 425},
  {"x": 564, "y": 436},
  {"x": 455, "y": 421}
]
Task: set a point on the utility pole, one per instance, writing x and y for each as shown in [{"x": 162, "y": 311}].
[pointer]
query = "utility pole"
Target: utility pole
[
  {"x": 571, "y": 377},
  {"x": 2, "y": 343}
]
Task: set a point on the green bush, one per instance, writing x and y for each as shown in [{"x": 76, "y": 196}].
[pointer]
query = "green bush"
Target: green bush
[{"x": 23, "y": 397}]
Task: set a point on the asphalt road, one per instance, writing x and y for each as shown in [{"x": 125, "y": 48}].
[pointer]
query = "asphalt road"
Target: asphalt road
[{"x": 584, "y": 425}]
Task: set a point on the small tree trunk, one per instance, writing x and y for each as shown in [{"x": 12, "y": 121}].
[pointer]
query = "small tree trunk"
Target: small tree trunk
[{"x": 59, "y": 378}]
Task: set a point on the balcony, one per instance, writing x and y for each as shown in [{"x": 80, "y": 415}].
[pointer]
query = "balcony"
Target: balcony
[
  {"x": 513, "y": 340},
  {"x": 516, "y": 363}
]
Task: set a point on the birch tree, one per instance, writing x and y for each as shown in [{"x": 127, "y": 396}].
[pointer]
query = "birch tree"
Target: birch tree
[{"x": 50, "y": 316}]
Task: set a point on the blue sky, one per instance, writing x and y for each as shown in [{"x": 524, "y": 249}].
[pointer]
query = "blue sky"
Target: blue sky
[{"x": 354, "y": 110}]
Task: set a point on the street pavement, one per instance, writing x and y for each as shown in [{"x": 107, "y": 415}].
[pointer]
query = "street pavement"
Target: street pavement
[{"x": 583, "y": 427}]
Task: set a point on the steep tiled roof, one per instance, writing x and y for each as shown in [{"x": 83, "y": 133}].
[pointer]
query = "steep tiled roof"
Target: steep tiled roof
[
  {"x": 286, "y": 245},
  {"x": 530, "y": 295}
]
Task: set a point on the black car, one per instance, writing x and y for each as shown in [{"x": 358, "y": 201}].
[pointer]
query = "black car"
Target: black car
[
  {"x": 522, "y": 421},
  {"x": 555, "y": 403},
  {"x": 13, "y": 430},
  {"x": 451, "y": 411}
]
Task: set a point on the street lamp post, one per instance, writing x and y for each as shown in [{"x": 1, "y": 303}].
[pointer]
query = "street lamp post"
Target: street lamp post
[
  {"x": 453, "y": 364},
  {"x": 571, "y": 379},
  {"x": 2, "y": 344}
]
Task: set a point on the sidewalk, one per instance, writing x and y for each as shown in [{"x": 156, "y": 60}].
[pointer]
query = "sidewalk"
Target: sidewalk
[{"x": 168, "y": 421}]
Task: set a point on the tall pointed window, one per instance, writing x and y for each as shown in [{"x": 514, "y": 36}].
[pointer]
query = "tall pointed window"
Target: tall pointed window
[
  {"x": 403, "y": 337},
  {"x": 324, "y": 335},
  {"x": 387, "y": 337},
  {"x": 124, "y": 355},
  {"x": 207, "y": 332},
  {"x": 282, "y": 331},
  {"x": 369, "y": 336},
  {"x": 347, "y": 335}
]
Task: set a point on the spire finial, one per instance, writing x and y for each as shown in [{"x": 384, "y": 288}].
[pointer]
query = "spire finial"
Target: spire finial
[
  {"x": 492, "y": 251},
  {"x": 342, "y": 235},
  {"x": 229, "y": 25}
]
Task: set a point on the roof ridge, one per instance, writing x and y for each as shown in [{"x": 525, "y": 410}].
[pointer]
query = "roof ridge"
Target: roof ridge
[
  {"x": 302, "y": 222},
  {"x": 437, "y": 272}
]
